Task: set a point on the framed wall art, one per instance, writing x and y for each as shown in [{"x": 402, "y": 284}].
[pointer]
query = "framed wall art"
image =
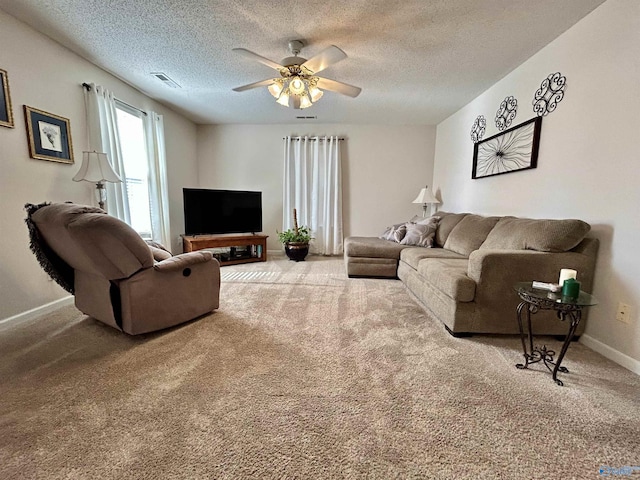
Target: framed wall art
[
  {"x": 509, "y": 151},
  {"x": 6, "y": 113},
  {"x": 49, "y": 136}
]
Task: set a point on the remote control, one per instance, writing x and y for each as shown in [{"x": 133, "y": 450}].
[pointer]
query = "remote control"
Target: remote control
[{"x": 552, "y": 287}]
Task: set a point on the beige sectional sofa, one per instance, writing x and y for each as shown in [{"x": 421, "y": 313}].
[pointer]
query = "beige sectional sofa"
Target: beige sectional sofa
[{"x": 466, "y": 280}]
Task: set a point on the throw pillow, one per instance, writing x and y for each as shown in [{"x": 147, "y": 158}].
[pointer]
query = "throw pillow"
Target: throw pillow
[
  {"x": 427, "y": 220},
  {"x": 395, "y": 233},
  {"x": 421, "y": 234}
]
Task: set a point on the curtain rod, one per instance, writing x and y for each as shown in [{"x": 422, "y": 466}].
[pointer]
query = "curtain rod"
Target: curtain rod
[
  {"x": 297, "y": 139},
  {"x": 88, "y": 87}
]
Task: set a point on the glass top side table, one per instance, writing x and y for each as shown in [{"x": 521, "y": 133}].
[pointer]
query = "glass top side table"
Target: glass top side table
[{"x": 533, "y": 300}]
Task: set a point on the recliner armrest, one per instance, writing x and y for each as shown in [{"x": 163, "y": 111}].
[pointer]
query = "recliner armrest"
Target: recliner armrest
[
  {"x": 184, "y": 260},
  {"x": 175, "y": 290}
]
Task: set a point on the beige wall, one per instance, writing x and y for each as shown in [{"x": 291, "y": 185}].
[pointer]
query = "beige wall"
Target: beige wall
[
  {"x": 588, "y": 158},
  {"x": 384, "y": 168},
  {"x": 45, "y": 75}
]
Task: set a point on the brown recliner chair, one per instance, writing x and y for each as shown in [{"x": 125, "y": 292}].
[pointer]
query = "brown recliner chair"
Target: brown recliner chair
[{"x": 112, "y": 272}]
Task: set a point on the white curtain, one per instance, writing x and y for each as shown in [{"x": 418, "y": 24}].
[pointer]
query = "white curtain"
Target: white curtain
[
  {"x": 158, "y": 186},
  {"x": 313, "y": 185},
  {"x": 103, "y": 134},
  {"x": 102, "y": 125}
]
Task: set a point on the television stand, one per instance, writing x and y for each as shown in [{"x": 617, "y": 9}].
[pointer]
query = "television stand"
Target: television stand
[{"x": 229, "y": 249}]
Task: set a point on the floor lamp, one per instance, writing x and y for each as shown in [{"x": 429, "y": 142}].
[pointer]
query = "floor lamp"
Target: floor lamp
[
  {"x": 96, "y": 168},
  {"x": 425, "y": 197}
]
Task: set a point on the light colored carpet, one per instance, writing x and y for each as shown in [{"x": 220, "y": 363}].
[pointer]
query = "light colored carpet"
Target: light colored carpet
[{"x": 303, "y": 373}]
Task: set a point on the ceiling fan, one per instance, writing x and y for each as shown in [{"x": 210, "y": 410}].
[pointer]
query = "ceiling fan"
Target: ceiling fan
[{"x": 298, "y": 80}]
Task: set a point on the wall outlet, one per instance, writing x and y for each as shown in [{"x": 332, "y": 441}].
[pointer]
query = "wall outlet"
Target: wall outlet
[{"x": 623, "y": 313}]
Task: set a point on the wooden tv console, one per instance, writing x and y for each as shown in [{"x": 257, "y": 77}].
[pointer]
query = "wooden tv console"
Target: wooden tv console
[{"x": 257, "y": 245}]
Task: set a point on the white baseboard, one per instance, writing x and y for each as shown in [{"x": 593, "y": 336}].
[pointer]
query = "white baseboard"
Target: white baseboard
[
  {"x": 612, "y": 354},
  {"x": 38, "y": 311}
]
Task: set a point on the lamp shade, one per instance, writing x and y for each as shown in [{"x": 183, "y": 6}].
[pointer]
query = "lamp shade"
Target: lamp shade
[
  {"x": 96, "y": 168},
  {"x": 305, "y": 102},
  {"x": 276, "y": 88},
  {"x": 283, "y": 99},
  {"x": 316, "y": 94},
  {"x": 425, "y": 196}
]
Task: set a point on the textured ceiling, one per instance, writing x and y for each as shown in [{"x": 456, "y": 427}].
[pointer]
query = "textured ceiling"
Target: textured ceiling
[{"x": 417, "y": 61}]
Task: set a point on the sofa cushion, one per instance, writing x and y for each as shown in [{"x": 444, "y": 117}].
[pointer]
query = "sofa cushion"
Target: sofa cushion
[
  {"x": 421, "y": 234},
  {"x": 159, "y": 254},
  {"x": 371, "y": 267},
  {"x": 470, "y": 233},
  {"x": 512, "y": 233},
  {"x": 116, "y": 249},
  {"x": 53, "y": 221},
  {"x": 447, "y": 222},
  {"x": 372, "y": 247},
  {"x": 412, "y": 256},
  {"x": 450, "y": 277},
  {"x": 90, "y": 240}
]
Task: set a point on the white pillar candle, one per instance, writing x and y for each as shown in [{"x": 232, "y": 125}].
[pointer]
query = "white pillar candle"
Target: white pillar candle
[{"x": 566, "y": 273}]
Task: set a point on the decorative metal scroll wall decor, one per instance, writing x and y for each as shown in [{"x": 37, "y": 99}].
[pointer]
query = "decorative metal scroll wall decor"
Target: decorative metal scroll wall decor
[
  {"x": 506, "y": 113},
  {"x": 478, "y": 128},
  {"x": 509, "y": 151},
  {"x": 550, "y": 93}
]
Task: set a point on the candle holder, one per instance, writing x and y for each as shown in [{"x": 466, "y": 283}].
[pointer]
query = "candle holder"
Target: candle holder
[{"x": 571, "y": 288}]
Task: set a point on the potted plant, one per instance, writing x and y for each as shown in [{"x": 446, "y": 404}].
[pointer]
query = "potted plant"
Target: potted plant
[{"x": 296, "y": 240}]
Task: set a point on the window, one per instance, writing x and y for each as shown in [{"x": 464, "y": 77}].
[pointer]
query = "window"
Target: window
[
  {"x": 135, "y": 158},
  {"x": 133, "y": 140}
]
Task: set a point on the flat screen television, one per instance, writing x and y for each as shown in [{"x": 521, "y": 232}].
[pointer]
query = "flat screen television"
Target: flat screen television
[{"x": 221, "y": 211}]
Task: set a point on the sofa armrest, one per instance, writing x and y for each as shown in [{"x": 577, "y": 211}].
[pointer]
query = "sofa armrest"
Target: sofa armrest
[
  {"x": 498, "y": 270},
  {"x": 184, "y": 260}
]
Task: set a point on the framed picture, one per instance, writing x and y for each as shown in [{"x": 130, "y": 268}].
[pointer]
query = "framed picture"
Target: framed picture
[
  {"x": 509, "y": 151},
  {"x": 49, "y": 136},
  {"x": 6, "y": 113}
]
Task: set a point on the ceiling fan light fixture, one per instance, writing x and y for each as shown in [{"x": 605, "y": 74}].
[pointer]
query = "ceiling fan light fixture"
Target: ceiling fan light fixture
[
  {"x": 299, "y": 81},
  {"x": 283, "y": 99},
  {"x": 297, "y": 86},
  {"x": 316, "y": 93},
  {"x": 275, "y": 89},
  {"x": 305, "y": 101}
]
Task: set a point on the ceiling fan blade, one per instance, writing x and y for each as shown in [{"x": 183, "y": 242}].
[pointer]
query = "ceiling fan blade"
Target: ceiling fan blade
[
  {"x": 296, "y": 102},
  {"x": 339, "y": 87},
  {"x": 262, "y": 83},
  {"x": 254, "y": 56},
  {"x": 324, "y": 59}
]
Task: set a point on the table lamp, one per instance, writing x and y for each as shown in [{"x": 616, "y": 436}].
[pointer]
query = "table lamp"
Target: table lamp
[
  {"x": 425, "y": 197},
  {"x": 97, "y": 169}
]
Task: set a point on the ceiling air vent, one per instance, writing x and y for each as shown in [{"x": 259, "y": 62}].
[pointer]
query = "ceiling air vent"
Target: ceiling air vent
[
  {"x": 307, "y": 118},
  {"x": 163, "y": 77}
]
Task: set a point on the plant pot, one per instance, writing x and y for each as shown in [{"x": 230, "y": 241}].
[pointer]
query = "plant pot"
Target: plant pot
[{"x": 296, "y": 251}]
